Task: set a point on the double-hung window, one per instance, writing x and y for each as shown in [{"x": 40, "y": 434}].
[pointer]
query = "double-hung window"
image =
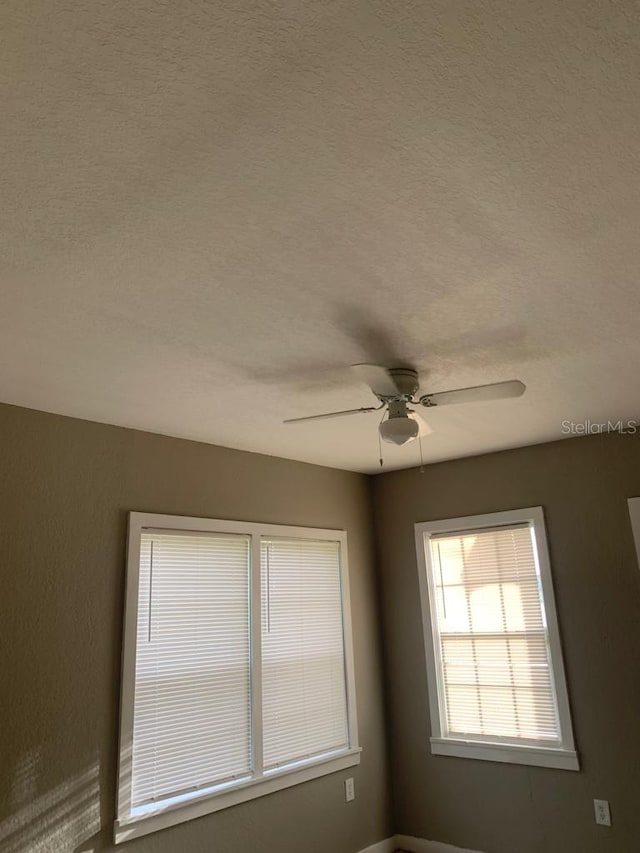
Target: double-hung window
[
  {"x": 237, "y": 666},
  {"x": 496, "y": 680}
]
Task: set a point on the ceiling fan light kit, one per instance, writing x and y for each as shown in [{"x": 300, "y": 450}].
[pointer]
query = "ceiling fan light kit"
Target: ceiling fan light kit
[
  {"x": 399, "y": 430},
  {"x": 395, "y": 389}
]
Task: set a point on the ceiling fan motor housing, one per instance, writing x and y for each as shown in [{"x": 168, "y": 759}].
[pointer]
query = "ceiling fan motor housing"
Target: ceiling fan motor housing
[
  {"x": 406, "y": 380},
  {"x": 397, "y": 409}
]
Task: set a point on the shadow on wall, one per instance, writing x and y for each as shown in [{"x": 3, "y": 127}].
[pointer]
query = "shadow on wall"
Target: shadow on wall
[{"x": 60, "y": 821}]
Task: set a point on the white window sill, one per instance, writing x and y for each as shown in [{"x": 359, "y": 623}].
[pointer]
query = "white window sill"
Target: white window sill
[
  {"x": 166, "y": 816},
  {"x": 561, "y": 759}
]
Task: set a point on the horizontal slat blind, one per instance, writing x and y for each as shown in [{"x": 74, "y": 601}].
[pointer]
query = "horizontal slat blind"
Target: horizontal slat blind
[
  {"x": 192, "y": 684},
  {"x": 303, "y": 663},
  {"x": 495, "y": 666}
]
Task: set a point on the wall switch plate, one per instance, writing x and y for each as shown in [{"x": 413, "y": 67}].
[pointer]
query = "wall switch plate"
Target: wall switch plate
[
  {"x": 602, "y": 812},
  {"x": 349, "y": 789}
]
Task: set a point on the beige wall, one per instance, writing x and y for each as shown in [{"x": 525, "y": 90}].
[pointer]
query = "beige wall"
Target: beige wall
[
  {"x": 65, "y": 489},
  {"x": 583, "y": 485}
]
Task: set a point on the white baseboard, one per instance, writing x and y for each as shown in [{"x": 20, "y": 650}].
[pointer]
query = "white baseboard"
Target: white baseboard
[
  {"x": 386, "y": 846},
  {"x": 421, "y": 845},
  {"x": 413, "y": 845}
]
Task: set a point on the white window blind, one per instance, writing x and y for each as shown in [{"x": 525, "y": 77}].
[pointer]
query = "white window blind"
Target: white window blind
[
  {"x": 237, "y": 666},
  {"x": 493, "y": 649},
  {"x": 192, "y": 690},
  {"x": 303, "y": 675},
  {"x": 496, "y": 677}
]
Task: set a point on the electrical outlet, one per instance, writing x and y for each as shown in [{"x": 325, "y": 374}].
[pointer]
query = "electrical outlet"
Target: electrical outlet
[
  {"x": 349, "y": 789},
  {"x": 602, "y": 812}
]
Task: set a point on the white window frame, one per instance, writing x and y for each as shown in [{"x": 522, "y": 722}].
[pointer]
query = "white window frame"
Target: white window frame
[
  {"x": 634, "y": 515},
  {"x": 563, "y": 756},
  {"x": 229, "y": 794}
]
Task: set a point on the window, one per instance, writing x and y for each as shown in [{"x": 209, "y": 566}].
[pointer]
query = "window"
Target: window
[
  {"x": 237, "y": 666},
  {"x": 496, "y": 679}
]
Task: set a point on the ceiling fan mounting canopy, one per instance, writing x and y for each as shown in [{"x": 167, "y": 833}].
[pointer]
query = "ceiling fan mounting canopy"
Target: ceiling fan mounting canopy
[{"x": 406, "y": 381}]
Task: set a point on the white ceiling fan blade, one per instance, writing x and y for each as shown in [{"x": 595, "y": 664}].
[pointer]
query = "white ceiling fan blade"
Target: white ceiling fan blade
[
  {"x": 377, "y": 378},
  {"x": 477, "y": 394},
  {"x": 331, "y": 415},
  {"x": 423, "y": 426}
]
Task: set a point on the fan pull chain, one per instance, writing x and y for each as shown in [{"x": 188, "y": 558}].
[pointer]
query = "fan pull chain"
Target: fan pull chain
[
  {"x": 421, "y": 458},
  {"x": 379, "y": 439}
]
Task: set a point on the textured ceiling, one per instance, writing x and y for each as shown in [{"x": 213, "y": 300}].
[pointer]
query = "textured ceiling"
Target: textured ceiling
[{"x": 209, "y": 209}]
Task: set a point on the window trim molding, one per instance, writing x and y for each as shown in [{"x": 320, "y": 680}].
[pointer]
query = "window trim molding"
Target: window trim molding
[
  {"x": 126, "y": 826},
  {"x": 634, "y": 516},
  {"x": 202, "y": 806},
  {"x": 561, "y": 757}
]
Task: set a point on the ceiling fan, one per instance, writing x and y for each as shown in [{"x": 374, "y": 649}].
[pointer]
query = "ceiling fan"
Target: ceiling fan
[{"x": 395, "y": 388}]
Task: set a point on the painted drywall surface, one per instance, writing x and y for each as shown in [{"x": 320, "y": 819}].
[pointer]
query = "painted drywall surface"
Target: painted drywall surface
[
  {"x": 65, "y": 489},
  {"x": 214, "y": 207},
  {"x": 583, "y": 485}
]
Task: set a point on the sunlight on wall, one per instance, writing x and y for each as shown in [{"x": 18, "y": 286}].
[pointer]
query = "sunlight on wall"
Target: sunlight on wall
[
  {"x": 56, "y": 822},
  {"x": 24, "y": 785}
]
